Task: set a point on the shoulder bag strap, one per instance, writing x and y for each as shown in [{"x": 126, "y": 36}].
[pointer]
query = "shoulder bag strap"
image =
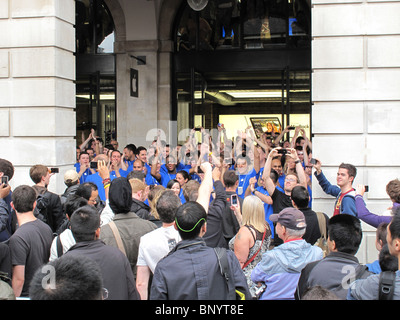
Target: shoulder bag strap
[
  {"x": 117, "y": 236},
  {"x": 59, "y": 247},
  {"x": 225, "y": 271},
  {"x": 255, "y": 255},
  {"x": 386, "y": 285}
]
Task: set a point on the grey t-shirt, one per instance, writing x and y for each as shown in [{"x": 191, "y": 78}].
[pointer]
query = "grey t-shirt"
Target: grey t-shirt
[{"x": 30, "y": 247}]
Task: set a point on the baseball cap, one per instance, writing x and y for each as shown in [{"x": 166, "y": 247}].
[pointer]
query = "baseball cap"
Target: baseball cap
[
  {"x": 291, "y": 218},
  {"x": 71, "y": 176}
]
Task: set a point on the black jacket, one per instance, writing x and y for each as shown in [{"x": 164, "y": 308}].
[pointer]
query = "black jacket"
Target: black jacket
[
  {"x": 334, "y": 273},
  {"x": 214, "y": 237},
  {"x": 115, "y": 268},
  {"x": 141, "y": 209},
  {"x": 54, "y": 209},
  {"x": 191, "y": 272}
]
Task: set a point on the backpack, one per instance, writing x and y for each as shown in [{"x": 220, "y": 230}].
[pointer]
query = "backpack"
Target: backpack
[
  {"x": 40, "y": 211},
  {"x": 386, "y": 285},
  {"x": 322, "y": 242},
  {"x": 6, "y": 291}
]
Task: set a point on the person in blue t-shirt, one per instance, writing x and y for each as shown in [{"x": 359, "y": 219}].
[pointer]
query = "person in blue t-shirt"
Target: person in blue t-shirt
[
  {"x": 245, "y": 172},
  {"x": 167, "y": 170},
  {"x": 83, "y": 167},
  {"x": 261, "y": 192}
]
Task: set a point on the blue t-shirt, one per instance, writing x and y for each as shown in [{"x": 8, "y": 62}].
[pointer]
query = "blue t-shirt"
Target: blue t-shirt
[
  {"x": 268, "y": 209},
  {"x": 98, "y": 181},
  {"x": 83, "y": 177},
  {"x": 244, "y": 180}
]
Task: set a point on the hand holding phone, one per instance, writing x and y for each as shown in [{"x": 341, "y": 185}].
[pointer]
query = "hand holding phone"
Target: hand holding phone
[
  {"x": 234, "y": 200},
  {"x": 4, "y": 179}
]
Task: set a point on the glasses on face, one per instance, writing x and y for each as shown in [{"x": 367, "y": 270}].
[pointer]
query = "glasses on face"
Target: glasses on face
[
  {"x": 92, "y": 201},
  {"x": 290, "y": 180}
]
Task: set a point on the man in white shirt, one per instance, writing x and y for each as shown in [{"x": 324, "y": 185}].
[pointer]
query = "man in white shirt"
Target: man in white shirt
[{"x": 158, "y": 243}]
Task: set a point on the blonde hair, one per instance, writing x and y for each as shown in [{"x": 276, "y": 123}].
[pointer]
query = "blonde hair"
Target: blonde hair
[
  {"x": 154, "y": 195},
  {"x": 253, "y": 213},
  {"x": 137, "y": 185}
]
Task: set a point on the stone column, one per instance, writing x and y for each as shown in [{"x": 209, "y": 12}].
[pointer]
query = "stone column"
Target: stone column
[
  {"x": 356, "y": 95},
  {"x": 37, "y": 73}
]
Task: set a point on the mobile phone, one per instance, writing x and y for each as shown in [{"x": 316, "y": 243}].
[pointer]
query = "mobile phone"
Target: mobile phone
[
  {"x": 234, "y": 200},
  {"x": 291, "y": 128},
  {"x": 282, "y": 151},
  {"x": 54, "y": 170},
  {"x": 4, "y": 179},
  {"x": 313, "y": 161},
  {"x": 199, "y": 170},
  {"x": 93, "y": 165},
  {"x": 366, "y": 188},
  {"x": 197, "y": 129}
]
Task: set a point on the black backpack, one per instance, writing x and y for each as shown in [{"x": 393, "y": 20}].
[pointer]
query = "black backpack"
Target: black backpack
[{"x": 40, "y": 212}]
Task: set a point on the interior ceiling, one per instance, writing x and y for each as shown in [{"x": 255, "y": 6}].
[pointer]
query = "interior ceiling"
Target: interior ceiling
[{"x": 245, "y": 87}]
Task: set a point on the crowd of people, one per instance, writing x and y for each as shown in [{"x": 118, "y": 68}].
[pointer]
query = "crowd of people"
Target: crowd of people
[{"x": 215, "y": 218}]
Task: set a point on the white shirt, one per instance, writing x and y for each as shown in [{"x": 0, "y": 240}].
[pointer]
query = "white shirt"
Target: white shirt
[
  {"x": 67, "y": 241},
  {"x": 155, "y": 245}
]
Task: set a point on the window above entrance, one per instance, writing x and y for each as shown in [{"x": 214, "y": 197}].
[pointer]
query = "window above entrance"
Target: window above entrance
[
  {"x": 94, "y": 28},
  {"x": 244, "y": 24}
]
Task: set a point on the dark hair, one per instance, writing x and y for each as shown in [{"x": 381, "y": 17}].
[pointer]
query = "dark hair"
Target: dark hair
[
  {"x": 23, "y": 198},
  {"x": 352, "y": 170},
  {"x": 274, "y": 176},
  {"x": 85, "y": 190},
  {"x": 7, "y": 168},
  {"x": 346, "y": 231},
  {"x": 171, "y": 183},
  {"x": 230, "y": 178},
  {"x": 115, "y": 151},
  {"x": 387, "y": 262},
  {"x": 37, "y": 172},
  {"x": 131, "y": 147},
  {"x": 84, "y": 223},
  {"x": 76, "y": 278},
  {"x": 394, "y": 226},
  {"x": 184, "y": 174},
  {"x": 73, "y": 203},
  {"x": 140, "y": 148},
  {"x": 189, "y": 219},
  {"x": 381, "y": 232},
  {"x": 109, "y": 147},
  {"x": 140, "y": 175},
  {"x": 300, "y": 197},
  {"x": 392, "y": 189},
  {"x": 83, "y": 152},
  {"x": 166, "y": 206}
]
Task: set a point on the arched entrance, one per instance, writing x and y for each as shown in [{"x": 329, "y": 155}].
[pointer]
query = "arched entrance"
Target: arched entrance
[
  {"x": 236, "y": 62},
  {"x": 95, "y": 71}
]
